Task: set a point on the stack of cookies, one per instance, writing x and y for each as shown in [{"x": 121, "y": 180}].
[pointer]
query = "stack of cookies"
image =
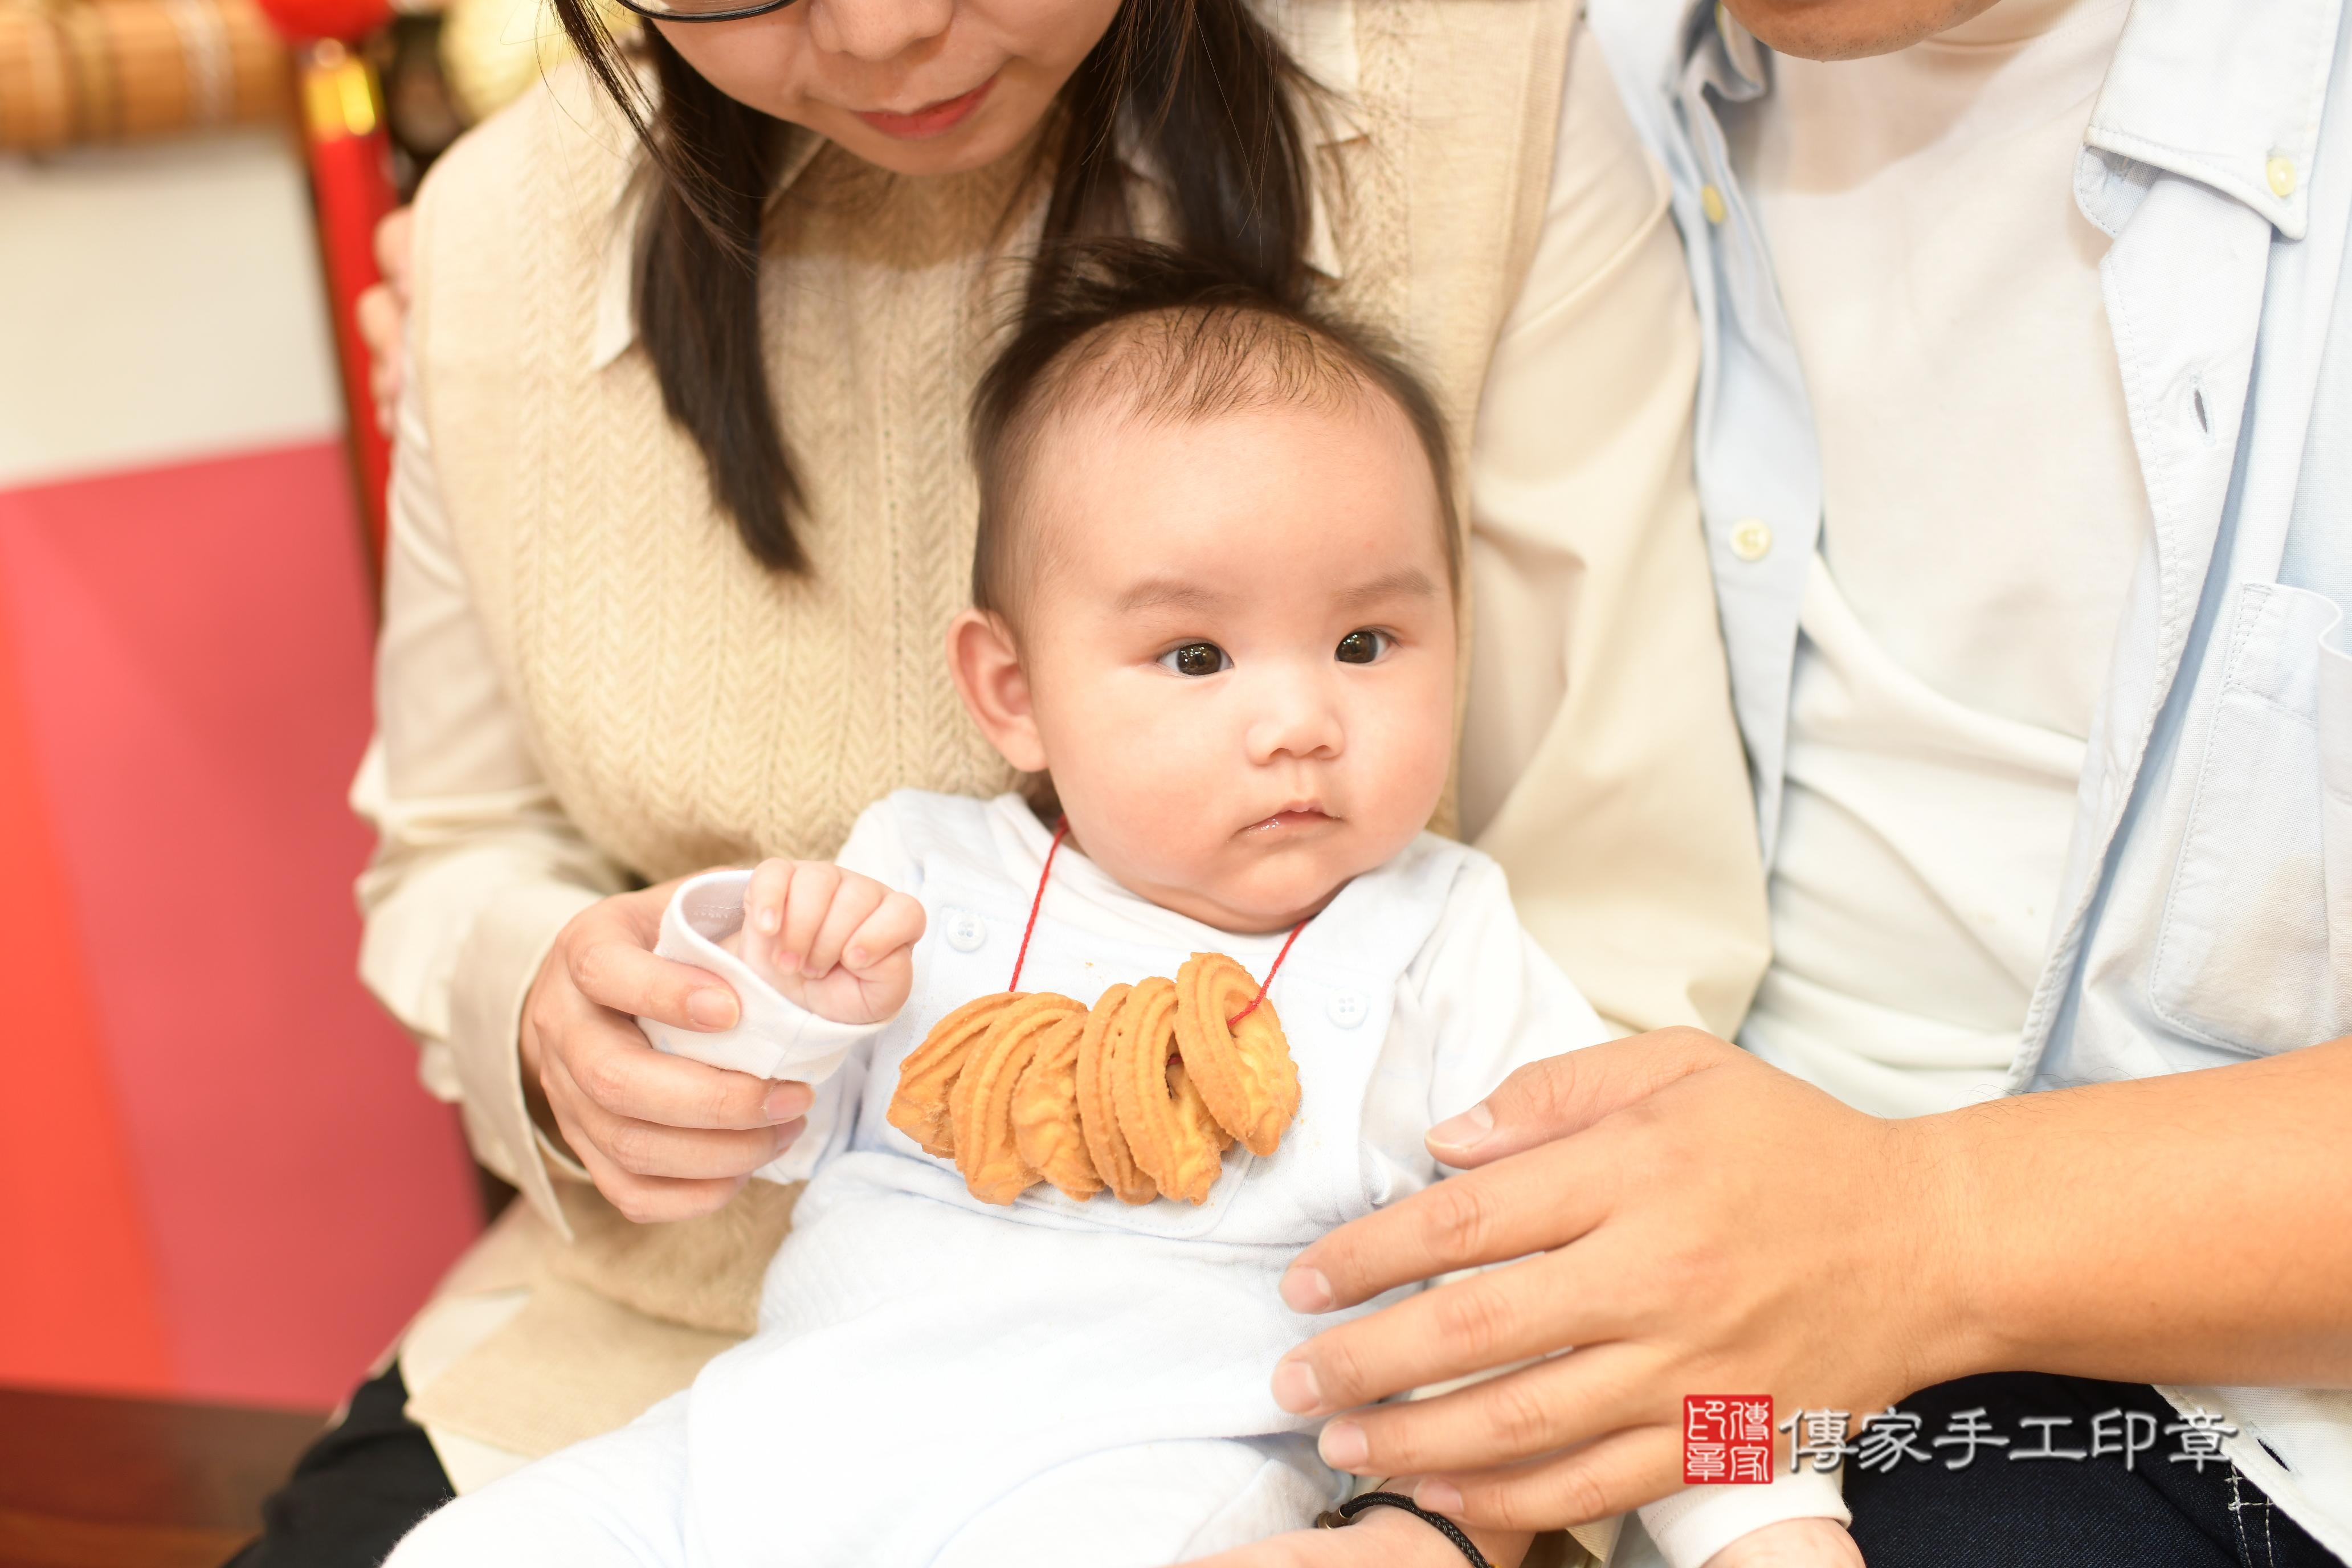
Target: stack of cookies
[{"x": 1141, "y": 1094}]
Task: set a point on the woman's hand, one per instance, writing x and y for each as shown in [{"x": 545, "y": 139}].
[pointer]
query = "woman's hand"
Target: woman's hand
[
  {"x": 663, "y": 1138},
  {"x": 1381, "y": 1538},
  {"x": 1693, "y": 1221},
  {"x": 383, "y": 312}
]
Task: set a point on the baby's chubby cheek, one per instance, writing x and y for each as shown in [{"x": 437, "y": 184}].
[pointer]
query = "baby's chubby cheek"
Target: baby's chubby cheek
[{"x": 1157, "y": 797}]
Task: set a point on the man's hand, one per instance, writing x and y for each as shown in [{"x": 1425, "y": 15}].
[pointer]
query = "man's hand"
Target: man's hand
[
  {"x": 662, "y": 1136},
  {"x": 837, "y": 943},
  {"x": 1690, "y": 1219},
  {"x": 1792, "y": 1543},
  {"x": 1381, "y": 1538}
]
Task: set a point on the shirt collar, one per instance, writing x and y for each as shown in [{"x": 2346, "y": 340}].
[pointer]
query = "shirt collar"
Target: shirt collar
[
  {"x": 1319, "y": 34},
  {"x": 2227, "y": 94}
]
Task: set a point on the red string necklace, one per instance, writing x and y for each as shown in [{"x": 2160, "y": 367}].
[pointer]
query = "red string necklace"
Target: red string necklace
[{"x": 1061, "y": 831}]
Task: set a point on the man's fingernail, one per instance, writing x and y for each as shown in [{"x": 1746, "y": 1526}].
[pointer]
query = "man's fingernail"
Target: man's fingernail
[
  {"x": 1438, "y": 1497},
  {"x": 711, "y": 1009},
  {"x": 788, "y": 1102},
  {"x": 1464, "y": 1132},
  {"x": 1308, "y": 1291},
  {"x": 1343, "y": 1445},
  {"x": 1295, "y": 1388}
]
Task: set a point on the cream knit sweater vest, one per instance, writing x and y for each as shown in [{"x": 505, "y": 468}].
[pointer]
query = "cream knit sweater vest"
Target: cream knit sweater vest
[{"x": 691, "y": 707}]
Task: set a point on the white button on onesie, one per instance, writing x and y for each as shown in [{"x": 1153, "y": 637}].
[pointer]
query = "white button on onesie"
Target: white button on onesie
[{"x": 939, "y": 1380}]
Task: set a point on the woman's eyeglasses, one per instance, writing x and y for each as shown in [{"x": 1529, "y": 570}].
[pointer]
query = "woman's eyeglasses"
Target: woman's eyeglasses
[{"x": 701, "y": 10}]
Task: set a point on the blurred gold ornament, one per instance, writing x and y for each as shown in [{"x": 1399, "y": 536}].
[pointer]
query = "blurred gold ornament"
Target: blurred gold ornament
[{"x": 493, "y": 51}]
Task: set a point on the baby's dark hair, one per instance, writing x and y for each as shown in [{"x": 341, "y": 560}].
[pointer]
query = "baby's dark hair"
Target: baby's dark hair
[{"x": 1177, "y": 338}]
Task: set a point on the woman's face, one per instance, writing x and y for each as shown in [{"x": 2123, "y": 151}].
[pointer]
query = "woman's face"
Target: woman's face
[{"x": 916, "y": 87}]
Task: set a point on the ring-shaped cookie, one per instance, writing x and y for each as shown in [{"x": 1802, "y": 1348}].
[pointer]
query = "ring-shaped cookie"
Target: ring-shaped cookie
[
  {"x": 1046, "y": 1128},
  {"x": 982, "y": 1100},
  {"x": 927, "y": 1074},
  {"x": 1168, "y": 1126},
  {"x": 1114, "y": 1161},
  {"x": 1244, "y": 1071}
]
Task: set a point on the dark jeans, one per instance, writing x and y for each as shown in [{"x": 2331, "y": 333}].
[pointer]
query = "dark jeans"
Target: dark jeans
[
  {"x": 363, "y": 1485},
  {"x": 356, "y": 1491},
  {"x": 2064, "y": 1513}
]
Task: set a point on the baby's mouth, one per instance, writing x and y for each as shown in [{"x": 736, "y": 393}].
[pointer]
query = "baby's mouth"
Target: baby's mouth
[{"x": 1292, "y": 820}]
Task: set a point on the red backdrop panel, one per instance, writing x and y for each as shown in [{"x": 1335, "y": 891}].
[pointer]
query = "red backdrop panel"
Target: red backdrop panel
[
  {"x": 80, "y": 1301},
  {"x": 192, "y": 653}
]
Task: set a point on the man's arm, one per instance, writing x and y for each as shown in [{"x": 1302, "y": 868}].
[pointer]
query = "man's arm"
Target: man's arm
[{"x": 1696, "y": 1222}]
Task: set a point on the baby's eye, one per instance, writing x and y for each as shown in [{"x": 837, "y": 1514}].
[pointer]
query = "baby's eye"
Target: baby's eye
[
  {"x": 1196, "y": 659},
  {"x": 1362, "y": 646}
]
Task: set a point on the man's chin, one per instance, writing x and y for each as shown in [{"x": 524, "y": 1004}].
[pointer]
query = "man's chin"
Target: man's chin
[{"x": 1850, "y": 29}]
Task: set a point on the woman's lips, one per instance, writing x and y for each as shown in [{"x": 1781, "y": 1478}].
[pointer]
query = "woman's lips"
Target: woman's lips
[{"x": 931, "y": 120}]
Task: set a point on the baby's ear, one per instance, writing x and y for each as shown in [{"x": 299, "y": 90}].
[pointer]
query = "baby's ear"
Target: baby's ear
[{"x": 985, "y": 663}]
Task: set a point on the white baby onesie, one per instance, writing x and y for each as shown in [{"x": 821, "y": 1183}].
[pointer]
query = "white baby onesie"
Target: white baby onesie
[{"x": 939, "y": 1383}]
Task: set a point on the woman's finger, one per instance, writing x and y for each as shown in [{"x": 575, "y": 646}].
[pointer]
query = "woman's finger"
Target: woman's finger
[
  {"x": 614, "y": 969},
  {"x": 608, "y": 1060},
  {"x": 1555, "y": 1404},
  {"x": 393, "y": 250},
  {"x": 697, "y": 1153},
  {"x": 896, "y": 925},
  {"x": 1532, "y": 1202},
  {"x": 652, "y": 1200},
  {"x": 853, "y": 901}
]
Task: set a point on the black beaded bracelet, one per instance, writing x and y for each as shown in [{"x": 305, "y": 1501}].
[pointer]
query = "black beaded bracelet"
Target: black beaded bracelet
[{"x": 1345, "y": 1514}]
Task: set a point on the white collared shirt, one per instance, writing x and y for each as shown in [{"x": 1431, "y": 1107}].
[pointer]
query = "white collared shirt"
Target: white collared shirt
[{"x": 2199, "y": 918}]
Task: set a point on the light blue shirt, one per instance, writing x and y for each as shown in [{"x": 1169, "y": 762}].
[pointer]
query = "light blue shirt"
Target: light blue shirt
[{"x": 2206, "y": 913}]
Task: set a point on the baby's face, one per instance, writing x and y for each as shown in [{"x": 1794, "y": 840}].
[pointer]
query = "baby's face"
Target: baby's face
[{"x": 1239, "y": 651}]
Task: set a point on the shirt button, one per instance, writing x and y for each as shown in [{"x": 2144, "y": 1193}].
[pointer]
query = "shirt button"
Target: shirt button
[
  {"x": 965, "y": 931},
  {"x": 1752, "y": 539},
  {"x": 1710, "y": 201},
  {"x": 1348, "y": 1008},
  {"x": 2280, "y": 171}
]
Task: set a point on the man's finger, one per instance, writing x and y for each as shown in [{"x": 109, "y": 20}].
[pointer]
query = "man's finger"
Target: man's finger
[
  {"x": 1566, "y": 1094},
  {"x": 1556, "y": 1403},
  {"x": 1532, "y": 1202},
  {"x": 617, "y": 972},
  {"x": 1467, "y": 1326},
  {"x": 1621, "y": 1472}
]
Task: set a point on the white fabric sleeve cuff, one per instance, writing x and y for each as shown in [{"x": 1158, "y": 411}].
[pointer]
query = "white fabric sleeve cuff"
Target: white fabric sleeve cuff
[
  {"x": 497, "y": 962},
  {"x": 1697, "y": 1522},
  {"x": 773, "y": 1038}
]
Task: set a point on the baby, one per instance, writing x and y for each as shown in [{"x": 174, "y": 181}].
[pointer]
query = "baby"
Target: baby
[{"x": 1216, "y": 592}]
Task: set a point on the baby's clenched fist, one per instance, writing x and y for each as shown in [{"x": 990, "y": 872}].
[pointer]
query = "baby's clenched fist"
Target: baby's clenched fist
[{"x": 833, "y": 941}]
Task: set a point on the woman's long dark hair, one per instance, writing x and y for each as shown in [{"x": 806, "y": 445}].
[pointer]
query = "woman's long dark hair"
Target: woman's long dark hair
[{"x": 1208, "y": 94}]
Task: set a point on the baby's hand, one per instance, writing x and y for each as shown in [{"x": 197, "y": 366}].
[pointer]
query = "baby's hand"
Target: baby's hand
[
  {"x": 833, "y": 941},
  {"x": 1792, "y": 1543}
]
